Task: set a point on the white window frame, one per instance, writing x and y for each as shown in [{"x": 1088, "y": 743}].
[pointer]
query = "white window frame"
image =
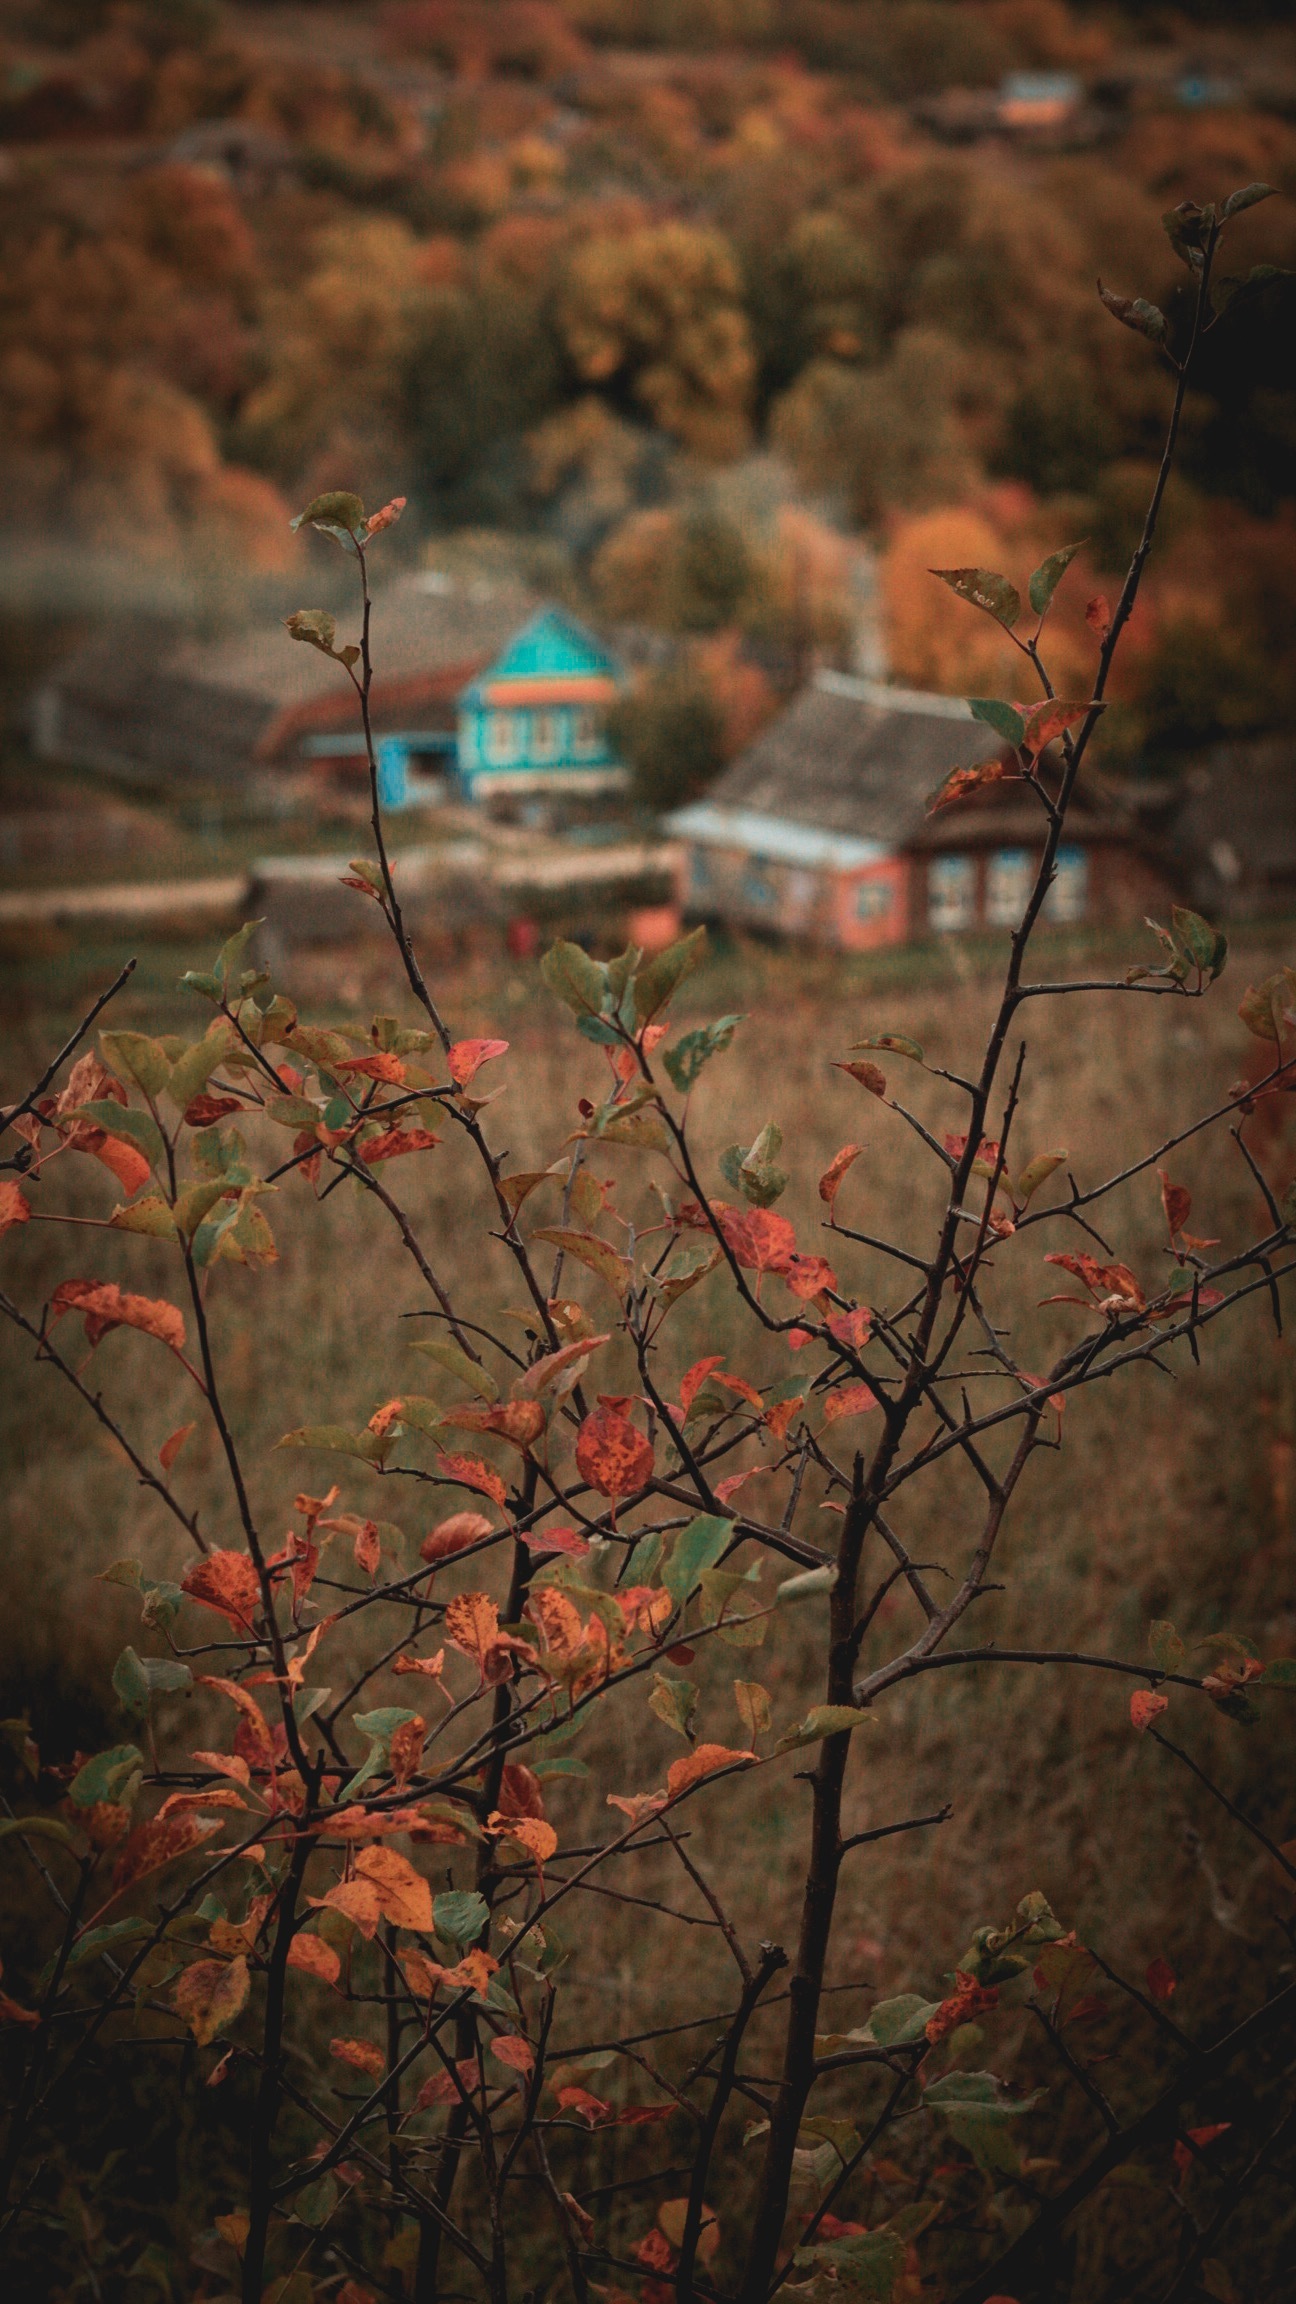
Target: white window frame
[
  {"x": 1067, "y": 902},
  {"x": 1010, "y": 874},
  {"x": 951, "y": 892},
  {"x": 504, "y": 737}
]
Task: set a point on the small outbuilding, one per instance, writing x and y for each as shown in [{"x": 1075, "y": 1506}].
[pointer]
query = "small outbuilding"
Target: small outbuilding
[{"x": 821, "y": 829}]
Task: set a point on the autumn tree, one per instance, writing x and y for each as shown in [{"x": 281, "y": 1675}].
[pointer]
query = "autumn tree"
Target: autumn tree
[{"x": 678, "y": 1441}]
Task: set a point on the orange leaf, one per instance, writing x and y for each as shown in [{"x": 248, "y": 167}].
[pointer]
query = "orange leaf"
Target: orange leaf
[
  {"x": 403, "y": 1894},
  {"x": 1146, "y": 1706},
  {"x": 471, "y": 1472},
  {"x": 368, "y": 1550},
  {"x": 968, "y": 2000},
  {"x": 726, "y": 1489},
  {"x": 1162, "y": 1982},
  {"x": 380, "y": 1066},
  {"x": 406, "y": 1749},
  {"x": 851, "y": 1328},
  {"x": 778, "y": 1418},
  {"x": 106, "y": 1306},
  {"x": 126, "y": 1161},
  {"x": 703, "y": 1761},
  {"x": 531, "y": 1832},
  {"x": 430, "y": 1666},
  {"x": 611, "y": 1455},
  {"x": 853, "y": 1399},
  {"x": 171, "y": 1448},
  {"x": 830, "y": 1182},
  {"x": 314, "y": 1957},
  {"x": 513, "y": 2050},
  {"x": 1048, "y": 720},
  {"x": 374, "y": 526},
  {"x": 258, "y": 1725},
  {"x": 472, "y": 1623},
  {"x": 357, "y": 1901},
  {"x": 557, "y": 1540},
  {"x": 590, "y": 2109},
  {"x": 957, "y": 786},
  {"x": 151, "y": 1846},
  {"x": 467, "y": 1057},
  {"x": 519, "y": 1421},
  {"x": 454, "y": 1535},
  {"x": 227, "y": 1582},
  {"x": 14, "y": 1206},
  {"x": 362, "y": 2054}
]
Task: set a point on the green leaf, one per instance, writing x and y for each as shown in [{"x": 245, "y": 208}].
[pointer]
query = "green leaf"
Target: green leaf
[
  {"x": 337, "y": 513},
  {"x": 107, "y": 1777},
  {"x": 696, "y": 1548},
  {"x": 641, "y": 1567},
  {"x": 122, "y": 1120},
  {"x": 315, "y": 627},
  {"x": 896, "y": 1043},
  {"x": 193, "y": 1070},
  {"x": 456, "y": 1362},
  {"x": 334, "y": 1439},
  {"x": 99, "y": 1939},
  {"x": 984, "y": 589},
  {"x": 656, "y": 984},
  {"x": 39, "y": 1827},
  {"x": 1035, "y": 1173},
  {"x": 1205, "y": 946},
  {"x": 867, "y": 2264},
  {"x": 460, "y": 1915},
  {"x": 674, "y": 1702},
  {"x": 150, "y": 1216},
  {"x": 232, "y": 951},
  {"x": 823, "y": 1720},
  {"x": 576, "y": 979},
  {"x": 1046, "y": 578},
  {"x": 384, "y": 1721},
  {"x": 195, "y": 1203},
  {"x": 133, "y": 1056},
  {"x": 1280, "y": 1674},
  {"x": 314, "y": 2206},
  {"x": 1165, "y": 1647},
  {"x": 685, "y": 1060},
  {"x": 898, "y": 2023},
  {"x": 977, "y": 2094},
  {"x": 1249, "y": 197},
  {"x": 130, "y": 1684},
  {"x": 1005, "y": 719},
  {"x": 685, "y": 1267},
  {"x": 807, "y": 1585},
  {"x": 203, "y": 980},
  {"x": 600, "y": 1031}
]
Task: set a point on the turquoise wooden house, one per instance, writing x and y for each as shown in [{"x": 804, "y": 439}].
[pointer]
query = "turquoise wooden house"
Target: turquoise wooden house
[{"x": 535, "y": 721}]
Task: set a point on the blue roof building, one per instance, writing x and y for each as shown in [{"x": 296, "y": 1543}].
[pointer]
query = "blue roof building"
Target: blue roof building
[{"x": 535, "y": 721}]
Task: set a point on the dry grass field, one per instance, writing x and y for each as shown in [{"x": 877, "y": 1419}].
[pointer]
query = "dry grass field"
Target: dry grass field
[{"x": 1169, "y": 1495}]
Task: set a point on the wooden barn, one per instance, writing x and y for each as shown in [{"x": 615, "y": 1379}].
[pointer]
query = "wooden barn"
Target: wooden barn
[{"x": 820, "y": 830}]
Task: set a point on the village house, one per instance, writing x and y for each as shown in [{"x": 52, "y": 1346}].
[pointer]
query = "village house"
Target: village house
[
  {"x": 535, "y": 721},
  {"x": 820, "y": 830}
]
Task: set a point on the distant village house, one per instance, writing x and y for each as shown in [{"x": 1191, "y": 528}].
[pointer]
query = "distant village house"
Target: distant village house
[{"x": 820, "y": 830}]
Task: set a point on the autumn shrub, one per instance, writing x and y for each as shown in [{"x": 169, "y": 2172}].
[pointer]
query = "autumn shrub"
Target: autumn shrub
[{"x": 434, "y": 1867}]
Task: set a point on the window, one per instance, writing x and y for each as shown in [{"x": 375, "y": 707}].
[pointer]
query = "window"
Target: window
[
  {"x": 873, "y": 899},
  {"x": 758, "y": 887},
  {"x": 951, "y": 893},
  {"x": 585, "y": 729},
  {"x": 503, "y": 736},
  {"x": 1068, "y": 898},
  {"x": 700, "y": 876},
  {"x": 546, "y": 736},
  {"x": 1009, "y": 874}
]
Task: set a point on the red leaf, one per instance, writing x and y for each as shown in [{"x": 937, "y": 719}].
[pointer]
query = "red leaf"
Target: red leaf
[
  {"x": 204, "y": 1111},
  {"x": 591, "y": 2109},
  {"x": 853, "y": 1399},
  {"x": 961, "y": 781},
  {"x": 1098, "y": 615},
  {"x": 1145, "y": 1707},
  {"x": 851, "y": 1328},
  {"x": 1162, "y": 1982},
  {"x": 557, "y": 1540},
  {"x": 614, "y": 1457},
  {"x": 379, "y": 1066},
  {"x": 761, "y": 1240},
  {"x": 106, "y": 1306},
  {"x": 227, "y": 1582},
  {"x": 869, "y": 1076},
  {"x": 362, "y": 2054},
  {"x": 151, "y": 1846},
  {"x": 693, "y": 1379},
  {"x": 368, "y": 1550},
  {"x": 467, "y": 1057},
  {"x": 394, "y": 1142},
  {"x": 1176, "y": 1200},
  {"x": 809, "y": 1276},
  {"x": 968, "y": 2000},
  {"x": 1048, "y": 720},
  {"x": 1184, "y": 2155},
  {"x": 513, "y": 2050}
]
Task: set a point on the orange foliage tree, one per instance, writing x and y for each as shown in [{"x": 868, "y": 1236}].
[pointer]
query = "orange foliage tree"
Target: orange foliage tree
[{"x": 354, "y": 1902}]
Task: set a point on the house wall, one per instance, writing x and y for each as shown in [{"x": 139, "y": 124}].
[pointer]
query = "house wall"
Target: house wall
[
  {"x": 556, "y": 735},
  {"x": 964, "y": 889},
  {"x": 871, "y": 909}
]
